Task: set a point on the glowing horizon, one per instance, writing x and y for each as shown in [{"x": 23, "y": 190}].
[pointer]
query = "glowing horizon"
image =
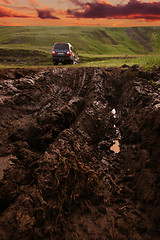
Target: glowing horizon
[{"x": 79, "y": 13}]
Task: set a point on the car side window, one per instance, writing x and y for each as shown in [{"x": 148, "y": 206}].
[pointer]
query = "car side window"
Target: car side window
[{"x": 73, "y": 50}]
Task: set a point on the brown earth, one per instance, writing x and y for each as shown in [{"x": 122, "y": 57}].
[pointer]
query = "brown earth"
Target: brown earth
[
  {"x": 60, "y": 178},
  {"x": 23, "y": 57}
]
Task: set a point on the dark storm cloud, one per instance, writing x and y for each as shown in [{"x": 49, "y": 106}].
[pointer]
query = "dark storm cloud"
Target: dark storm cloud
[
  {"x": 132, "y": 10},
  {"x": 46, "y": 13}
]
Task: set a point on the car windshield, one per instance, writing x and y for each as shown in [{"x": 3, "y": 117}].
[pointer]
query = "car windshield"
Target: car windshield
[{"x": 61, "y": 46}]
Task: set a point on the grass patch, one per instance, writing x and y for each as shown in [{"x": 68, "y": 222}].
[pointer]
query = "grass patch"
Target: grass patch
[
  {"x": 146, "y": 61},
  {"x": 12, "y": 58},
  {"x": 149, "y": 61},
  {"x": 42, "y": 61}
]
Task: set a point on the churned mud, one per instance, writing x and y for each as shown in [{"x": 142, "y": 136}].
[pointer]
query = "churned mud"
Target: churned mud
[{"x": 79, "y": 154}]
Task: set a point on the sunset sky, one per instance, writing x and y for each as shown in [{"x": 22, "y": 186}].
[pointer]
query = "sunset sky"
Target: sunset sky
[{"x": 114, "y": 13}]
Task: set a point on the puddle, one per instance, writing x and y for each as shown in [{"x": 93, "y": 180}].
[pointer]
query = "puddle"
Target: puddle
[
  {"x": 114, "y": 112},
  {"x": 4, "y": 164},
  {"x": 115, "y": 147},
  {"x": 118, "y": 134}
]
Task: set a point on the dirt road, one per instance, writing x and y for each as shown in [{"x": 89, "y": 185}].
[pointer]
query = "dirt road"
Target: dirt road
[{"x": 61, "y": 178}]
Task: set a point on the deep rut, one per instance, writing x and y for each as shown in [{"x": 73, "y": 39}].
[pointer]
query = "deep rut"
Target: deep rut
[{"x": 57, "y": 126}]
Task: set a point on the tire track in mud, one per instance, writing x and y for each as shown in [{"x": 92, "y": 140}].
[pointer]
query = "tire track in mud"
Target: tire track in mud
[{"x": 65, "y": 182}]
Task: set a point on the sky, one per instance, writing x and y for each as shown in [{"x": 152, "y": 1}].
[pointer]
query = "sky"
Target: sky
[{"x": 111, "y": 13}]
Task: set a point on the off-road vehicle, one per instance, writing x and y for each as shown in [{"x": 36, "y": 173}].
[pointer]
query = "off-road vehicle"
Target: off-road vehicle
[{"x": 64, "y": 53}]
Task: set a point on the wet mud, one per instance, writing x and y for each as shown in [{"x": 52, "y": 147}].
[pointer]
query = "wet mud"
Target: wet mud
[{"x": 79, "y": 154}]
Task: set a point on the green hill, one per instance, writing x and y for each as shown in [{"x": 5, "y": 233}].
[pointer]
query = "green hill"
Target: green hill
[
  {"x": 87, "y": 40},
  {"x": 32, "y": 45}
]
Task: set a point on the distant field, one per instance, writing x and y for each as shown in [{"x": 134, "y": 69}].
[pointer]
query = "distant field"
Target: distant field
[{"x": 27, "y": 46}]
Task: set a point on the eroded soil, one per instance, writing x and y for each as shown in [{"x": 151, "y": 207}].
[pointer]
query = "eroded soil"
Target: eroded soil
[{"x": 60, "y": 178}]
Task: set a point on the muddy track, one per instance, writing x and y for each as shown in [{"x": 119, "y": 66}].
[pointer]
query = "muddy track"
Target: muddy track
[{"x": 59, "y": 177}]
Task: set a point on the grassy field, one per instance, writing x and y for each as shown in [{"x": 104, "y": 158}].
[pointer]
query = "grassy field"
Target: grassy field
[{"x": 97, "y": 46}]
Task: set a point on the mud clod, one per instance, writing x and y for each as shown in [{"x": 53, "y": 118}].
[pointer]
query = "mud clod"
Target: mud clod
[{"x": 61, "y": 180}]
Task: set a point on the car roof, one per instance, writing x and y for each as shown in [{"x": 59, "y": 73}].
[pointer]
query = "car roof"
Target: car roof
[{"x": 63, "y": 43}]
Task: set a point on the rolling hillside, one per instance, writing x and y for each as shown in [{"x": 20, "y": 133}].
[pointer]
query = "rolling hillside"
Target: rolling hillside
[
  {"x": 97, "y": 46},
  {"x": 87, "y": 40}
]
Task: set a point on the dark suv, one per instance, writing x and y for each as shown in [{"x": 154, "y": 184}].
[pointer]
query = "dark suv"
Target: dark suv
[{"x": 64, "y": 53}]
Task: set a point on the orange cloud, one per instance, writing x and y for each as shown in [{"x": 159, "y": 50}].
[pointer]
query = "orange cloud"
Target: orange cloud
[
  {"x": 9, "y": 2},
  {"x": 15, "y": 1},
  {"x": 76, "y": 2},
  {"x": 46, "y": 13},
  {"x": 5, "y": 1},
  {"x": 33, "y": 2},
  {"x": 8, "y": 12}
]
